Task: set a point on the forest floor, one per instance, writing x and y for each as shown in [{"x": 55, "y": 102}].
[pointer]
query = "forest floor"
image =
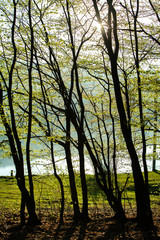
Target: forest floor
[{"x": 102, "y": 226}]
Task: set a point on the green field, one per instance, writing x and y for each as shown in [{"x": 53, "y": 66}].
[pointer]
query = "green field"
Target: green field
[{"x": 47, "y": 193}]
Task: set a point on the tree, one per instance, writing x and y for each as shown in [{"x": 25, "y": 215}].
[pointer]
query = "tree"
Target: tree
[
  {"x": 111, "y": 42},
  {"x": 48, "y": 133},
  {"x": 58, "y": 85},
  {"x": 10, "y": 125},
  {"x": 74, "y": 111}
]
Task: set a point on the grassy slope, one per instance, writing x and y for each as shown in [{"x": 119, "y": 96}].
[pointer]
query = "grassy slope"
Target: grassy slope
[{"x": 47, "y": 193}]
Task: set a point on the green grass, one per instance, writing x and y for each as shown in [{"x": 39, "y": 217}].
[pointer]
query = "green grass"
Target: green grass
[{"x": 47, "y": 192}]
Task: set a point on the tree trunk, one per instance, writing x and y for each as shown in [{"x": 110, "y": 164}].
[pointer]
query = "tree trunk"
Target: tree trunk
[
  {"x": 29, "y": 201},
  {"x": 58, "y": 178},
  {"x": 85, "y": 216},
  {"x": 26, "y": 198},
  {"x": 74, "y": 195},
  {"x": 22, "y": 210},
  {"x": 155, "y": 134},
  {"x": 144, "y": 214}
]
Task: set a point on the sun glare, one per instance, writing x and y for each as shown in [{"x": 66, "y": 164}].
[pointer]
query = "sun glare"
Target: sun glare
[{"x": 97, "y": 25}]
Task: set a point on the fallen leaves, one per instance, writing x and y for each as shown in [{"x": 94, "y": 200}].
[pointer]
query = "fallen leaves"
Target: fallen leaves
[{"x": 100, "y": 227}]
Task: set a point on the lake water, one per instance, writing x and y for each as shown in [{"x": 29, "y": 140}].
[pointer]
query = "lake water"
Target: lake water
[{"x": 44, "y": 166}]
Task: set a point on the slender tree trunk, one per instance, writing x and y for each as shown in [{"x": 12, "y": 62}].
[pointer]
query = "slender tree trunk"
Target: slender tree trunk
[
  {"x": 137, "y": 64},
  {"x": 60, "y": 182},
  {"x": 33, "y": 219},
  {"x": 155, "y": 135},
  {"x": 22, "y": 210},
  {"x": 154, "y": 151},
  {"x": 30, "y": 104},
  {"x": 26, "y": 198},
  {"x": 45, "y": 112},
  {"x": 142, "y": 197},
  {"x": 14, "y": 140},
  {"x": 74, "y": 194},
  {"x": 144, "y": 215},
  {"x": 101, "y": 180},
  {"x": 80, "y": 129},
  {"x": 85, "y": 216}
]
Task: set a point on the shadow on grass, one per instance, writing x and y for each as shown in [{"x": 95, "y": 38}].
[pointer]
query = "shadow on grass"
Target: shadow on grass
[
  {"x": 154, "y": 189},
  {"x": 156, "y": 171}
]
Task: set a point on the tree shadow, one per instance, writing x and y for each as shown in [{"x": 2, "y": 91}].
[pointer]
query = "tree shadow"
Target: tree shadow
[
  {"x": 157, "y": 171},
  {"x": 68, "y": 233},
  {"x": 150, "y": 234},
  {"x": 57, "y": 231},
  {"x": 82, "y": 231},
  {"x": 98, "y": 228},
  {"x": 115, "y": 231},
  {"x": 19, "y": 232},
  {"x": 118, "y": 230}
]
